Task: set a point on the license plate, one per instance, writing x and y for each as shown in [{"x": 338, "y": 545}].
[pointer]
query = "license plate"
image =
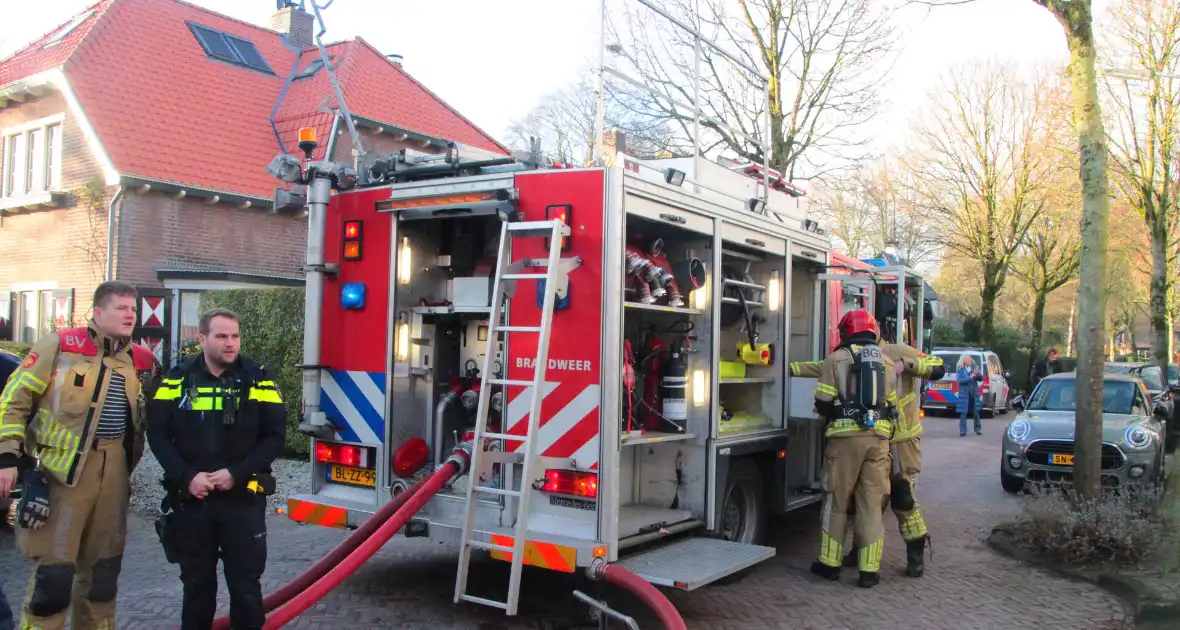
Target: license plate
[
  {"x": 940, "y": 385},
  {"x": 354, "y": 476},
  {"x": 1061, "y": 459}
]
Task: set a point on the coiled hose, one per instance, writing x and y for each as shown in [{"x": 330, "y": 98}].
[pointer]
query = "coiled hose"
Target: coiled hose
[
  {"x": 334, "y": 557},
  {"x": 456, "y": 464},
  {"x": 641, "y": 588}
]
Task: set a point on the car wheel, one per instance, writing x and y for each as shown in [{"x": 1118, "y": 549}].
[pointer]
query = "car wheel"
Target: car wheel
[
  {"x": 743, "y": 508},
  {"x": 989, "y": 410},
  {"x": 1011, "y": 483}
]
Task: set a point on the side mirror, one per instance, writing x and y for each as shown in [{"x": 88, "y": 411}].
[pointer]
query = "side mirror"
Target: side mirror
[
  {"x": 1160, "y": 411},
  {"x": 1018, "y": 403}
]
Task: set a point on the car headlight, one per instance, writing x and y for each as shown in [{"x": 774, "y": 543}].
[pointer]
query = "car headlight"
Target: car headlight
[
  {"x": 1137, "y": 437},
  {"x": 1019, "y": 430}
]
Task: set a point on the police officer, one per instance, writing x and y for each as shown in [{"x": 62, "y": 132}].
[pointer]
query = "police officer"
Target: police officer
[
  {"x": 216, "y": 424},
  {"x": 71, "y": 423},
  {"x": 906, "y": 445},
  {"x": 856, "y": 397}
]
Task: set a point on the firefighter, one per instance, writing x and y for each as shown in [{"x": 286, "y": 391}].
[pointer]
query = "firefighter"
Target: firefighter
[
  {"x": 71, "y": 421},
  {"x": 216, "y": 424},
  {"x": 855, "y": 396},
  {"x": 906, "y": 447}
]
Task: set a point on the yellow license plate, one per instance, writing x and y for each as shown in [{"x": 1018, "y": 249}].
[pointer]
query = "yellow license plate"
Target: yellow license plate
[
  {"x": 940, "y": 385},
  {"x": 354, "y": 476},
  {"x": 1061, "y": 459}
]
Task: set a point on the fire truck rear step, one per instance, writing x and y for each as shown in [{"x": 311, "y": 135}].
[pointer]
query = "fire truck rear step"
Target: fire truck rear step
[{"x": 691, "y": 563}]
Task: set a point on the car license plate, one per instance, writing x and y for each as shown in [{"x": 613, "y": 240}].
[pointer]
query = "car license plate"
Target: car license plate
[
  {"x": 1061, "y": 459},
  {"x": 354, "y": 476},
  {"x": 940, "y": 385}
]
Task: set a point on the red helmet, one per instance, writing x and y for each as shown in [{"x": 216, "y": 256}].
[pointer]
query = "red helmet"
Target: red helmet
[{"x": 857, "y": 321}]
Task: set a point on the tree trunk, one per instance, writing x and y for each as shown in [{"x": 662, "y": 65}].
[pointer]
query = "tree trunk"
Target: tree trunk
[
  {"x": 1161, "y": 322},
  {"x": 1069, "y": 334},
  {"x": 1038, "y": 323},
  {"x": 987, "y": 311},
  {"x": 1095, "y": 213}
]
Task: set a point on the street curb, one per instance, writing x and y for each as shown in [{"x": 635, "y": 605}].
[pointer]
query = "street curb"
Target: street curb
[{"x": 1135, "y": 596}]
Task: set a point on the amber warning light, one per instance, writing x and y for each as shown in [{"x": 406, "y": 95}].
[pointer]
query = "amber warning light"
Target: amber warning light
[{"x": 307, "y": 140}]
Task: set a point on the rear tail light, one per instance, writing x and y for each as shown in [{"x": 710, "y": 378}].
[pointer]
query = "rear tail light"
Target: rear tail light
[
  {"x": 343, "y": 454},
  {"x": 578, "y": 484},
  {"x": 987, "y": 381},
  {"x": 353, "y": 233}
]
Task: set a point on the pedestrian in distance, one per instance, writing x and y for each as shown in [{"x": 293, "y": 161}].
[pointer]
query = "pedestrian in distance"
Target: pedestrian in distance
[
  {"x": 216, "y": 424},
  {"x": 970, "y": 400},
  {"x": 1045, "y": 366},
  {"x": 74, "y": 457}
]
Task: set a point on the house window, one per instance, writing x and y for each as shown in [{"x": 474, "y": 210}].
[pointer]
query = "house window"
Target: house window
[
  {"x": 230, "y": 48},
  {"x": 32, "y": 157},
  {"x": 42, "y": 311}
]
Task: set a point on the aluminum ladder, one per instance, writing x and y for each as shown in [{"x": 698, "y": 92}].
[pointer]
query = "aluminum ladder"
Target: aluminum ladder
[{"x": 556, "y": 284}]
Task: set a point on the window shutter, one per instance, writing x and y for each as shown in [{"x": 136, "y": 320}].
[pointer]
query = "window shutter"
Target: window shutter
[{"x": 63, "y": 308}]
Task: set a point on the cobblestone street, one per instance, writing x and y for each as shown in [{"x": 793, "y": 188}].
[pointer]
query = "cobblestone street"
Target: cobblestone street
[{"x": 409, "y": 583}]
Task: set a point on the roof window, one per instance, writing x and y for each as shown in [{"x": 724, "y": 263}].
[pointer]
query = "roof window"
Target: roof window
[
  {"x": 61, "y": 33},
  {"x": 230, "y": 48}
]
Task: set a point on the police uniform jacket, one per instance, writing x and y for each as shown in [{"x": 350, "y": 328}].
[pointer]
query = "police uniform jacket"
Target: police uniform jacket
[
  {"x": 50, "y": 407},
  {"x": 204, "y": 423}
]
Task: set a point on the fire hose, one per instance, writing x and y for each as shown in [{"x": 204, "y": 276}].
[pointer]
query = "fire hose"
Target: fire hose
[
  {"x": 641, "y": 588},
  {"x": 334, "y": 557},
  {"x": 456, "y": 464}
]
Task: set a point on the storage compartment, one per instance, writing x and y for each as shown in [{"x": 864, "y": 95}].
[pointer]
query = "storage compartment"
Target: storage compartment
[
  {"x": 667, "y": 345},
  {"x": 751, "y": 366},
  {"x": 808, "y": 342},
  {"x": 444, "y": 270}
]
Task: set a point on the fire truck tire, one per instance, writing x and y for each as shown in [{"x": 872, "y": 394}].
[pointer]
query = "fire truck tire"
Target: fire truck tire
[{"x": 743, "y": 504}]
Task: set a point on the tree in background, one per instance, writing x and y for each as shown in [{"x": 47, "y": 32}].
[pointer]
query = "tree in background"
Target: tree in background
[
  {"x": 1143, "y": 36},
  {"x": 982, "y": 161},
  {"x": 875, "y": 208},
  {"x": 564, "y": 122},
  {"x": 825, "y": 61}
]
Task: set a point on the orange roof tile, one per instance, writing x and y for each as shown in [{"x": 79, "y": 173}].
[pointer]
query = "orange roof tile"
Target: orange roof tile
[{"x": 165, "y": 111}]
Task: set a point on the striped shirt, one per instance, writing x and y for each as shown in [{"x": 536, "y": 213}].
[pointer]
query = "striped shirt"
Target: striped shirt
[{"x": 115, "y": 411}]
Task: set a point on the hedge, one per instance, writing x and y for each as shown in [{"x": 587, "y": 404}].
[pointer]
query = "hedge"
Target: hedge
[
  {"x": 18, "y": 348},
  {"x": 271, "y": 322}
]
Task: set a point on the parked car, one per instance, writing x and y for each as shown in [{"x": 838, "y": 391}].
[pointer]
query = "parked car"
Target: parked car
[
  {"x": 1039, "y": 442},
  {"x": 943, "y": 395},
  {"x": 1159, "y": 390}
]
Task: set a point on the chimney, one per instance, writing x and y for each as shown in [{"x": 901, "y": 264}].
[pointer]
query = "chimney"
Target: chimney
[{"x": 295, "y": 23}]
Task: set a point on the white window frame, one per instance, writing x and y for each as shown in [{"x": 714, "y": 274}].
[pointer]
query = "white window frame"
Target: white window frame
[
  {"x": 15, "y": 187},
  {"x": 38, "y": 291}
]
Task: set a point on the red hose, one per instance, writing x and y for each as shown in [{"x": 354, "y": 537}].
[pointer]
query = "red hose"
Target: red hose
[
  {"x": 325, "y": 564},
  {"x": 349, "y": 565},
  {"x": 641, "y": 588}
]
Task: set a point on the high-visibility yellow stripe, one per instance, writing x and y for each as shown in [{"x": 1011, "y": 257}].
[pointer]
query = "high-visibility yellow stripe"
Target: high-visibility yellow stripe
[
  {"x": 265, "y": 395},
  {"x": 905, "y": 400},
  {"x": 831, "y": 551},
  {"x": 869, "y": 556},
  {"x": 207, "y": 403},
  {"x": 914, "y": 526},
  {"x": 167, "y": 393},
  {"x": 37, "y": 385}
]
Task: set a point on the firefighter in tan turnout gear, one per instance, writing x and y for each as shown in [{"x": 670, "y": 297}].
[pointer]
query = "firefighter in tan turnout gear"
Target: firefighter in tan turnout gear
[
  {"x": 856, "y": 397},
  {"x": 72, "y": 427},
  {"x": 907, "y": 448}
]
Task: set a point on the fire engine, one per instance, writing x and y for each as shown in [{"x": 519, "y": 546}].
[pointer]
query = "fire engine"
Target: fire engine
[{"x": 611, "y": 342}]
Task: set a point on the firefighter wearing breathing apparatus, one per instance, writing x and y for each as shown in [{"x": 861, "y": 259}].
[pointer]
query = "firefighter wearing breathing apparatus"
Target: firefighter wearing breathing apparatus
[
  {"x": 856, "y": 397},
  {"x": 906, "y": 443}
]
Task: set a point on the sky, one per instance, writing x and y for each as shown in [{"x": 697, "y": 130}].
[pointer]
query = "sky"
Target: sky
[{"x": 494, "y": 60}]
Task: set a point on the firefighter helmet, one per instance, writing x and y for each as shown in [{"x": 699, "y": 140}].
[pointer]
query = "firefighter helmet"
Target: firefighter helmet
[{"x": 857, "y": 321}]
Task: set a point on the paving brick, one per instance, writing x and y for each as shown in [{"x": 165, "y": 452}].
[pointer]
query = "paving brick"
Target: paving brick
[{"x": 409, "y": 583}]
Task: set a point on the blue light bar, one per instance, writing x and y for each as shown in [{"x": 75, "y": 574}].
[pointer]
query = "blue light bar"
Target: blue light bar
[{"x": 352, "y": 295}]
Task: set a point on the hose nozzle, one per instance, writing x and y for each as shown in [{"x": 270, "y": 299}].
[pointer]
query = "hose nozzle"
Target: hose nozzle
[{"x": 461, "y": 456}]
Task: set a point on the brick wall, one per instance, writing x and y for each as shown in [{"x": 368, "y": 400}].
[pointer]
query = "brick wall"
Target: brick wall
[
  {"x": 156, "y": 229},
  {"x": 67, "y": 244}
]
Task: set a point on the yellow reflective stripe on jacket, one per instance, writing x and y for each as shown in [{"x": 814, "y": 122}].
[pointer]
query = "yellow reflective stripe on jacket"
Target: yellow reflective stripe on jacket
[
  {"x": 169, "y": 389},
  {"x": 266, "y": 394},
  {"x": 799, "y": 366},
  {"x": 904, "y": 433},
  {"x": 206, "y": 403},
  {"x": 905, "y": 400},
  {"x": 28, "y": 381},
  {"x": 58, "y": 444},
  {"x": 826, "y": 390}
]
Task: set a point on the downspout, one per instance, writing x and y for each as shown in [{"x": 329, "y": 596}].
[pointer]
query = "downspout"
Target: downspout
[{"x": 110, "y": 273}]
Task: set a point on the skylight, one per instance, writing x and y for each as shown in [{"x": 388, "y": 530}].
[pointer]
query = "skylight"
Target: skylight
[
  {"x": 68, "y": 28},
  {"x": 230, "y": 48}
]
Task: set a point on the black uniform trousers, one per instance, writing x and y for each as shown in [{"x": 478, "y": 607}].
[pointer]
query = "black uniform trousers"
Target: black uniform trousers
[{"x": 230, "y": 527}]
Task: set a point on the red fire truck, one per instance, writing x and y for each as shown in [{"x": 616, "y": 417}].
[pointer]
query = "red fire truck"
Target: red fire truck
[{"x": 611, "y": 343}]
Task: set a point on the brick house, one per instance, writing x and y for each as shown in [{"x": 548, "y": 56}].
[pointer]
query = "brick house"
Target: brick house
[{"x": 134, "y": 141}]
